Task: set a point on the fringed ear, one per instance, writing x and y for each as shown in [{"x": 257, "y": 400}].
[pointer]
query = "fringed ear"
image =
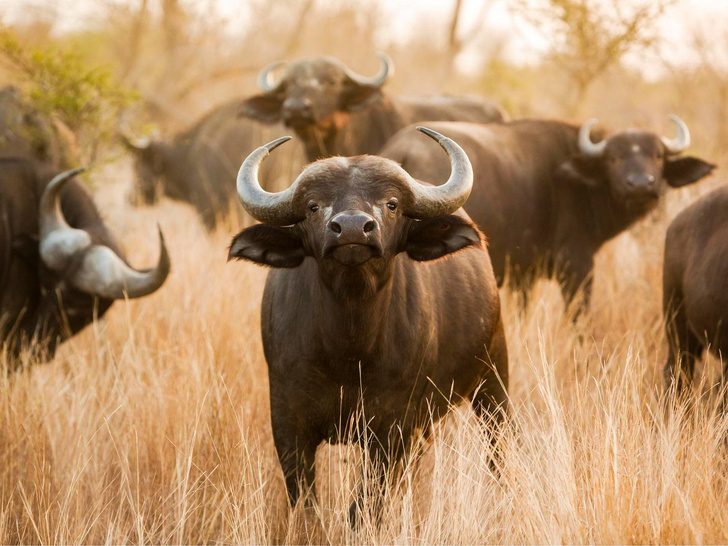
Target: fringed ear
[
  {"x": 685, "y": 170},
  {"x": 360, "y": 97},
  {"x": 582, "y": 170},
  {"x": 268, "y": 245},
  {"x": 440, "y": 236},
  {"x": 265, "y": 108}
]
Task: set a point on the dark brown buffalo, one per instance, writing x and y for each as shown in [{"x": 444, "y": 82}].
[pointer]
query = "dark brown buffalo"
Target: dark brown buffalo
[
  {"x": 59, "y": 265},
  {"x": 337, "y": 112},
  {"x": 361, "y": 311},
  {"x": 196, "y": 166},
  {"x": 548, "y": 197},
  {"x": 25, "y": 132},
  {"x": 695, "y": 281}
]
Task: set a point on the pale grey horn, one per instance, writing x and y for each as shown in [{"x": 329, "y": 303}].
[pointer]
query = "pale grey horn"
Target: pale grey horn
[
  {"x": 265, "y": 77},
  {"x": 681, "y": 141},
  {"x": 94, "y": 269},
  {"x": 431, "y": 201},
  {"x": 385, "y": 72},
  {"x": 586, "y": 146},
  {"x": 104, "y": 274},
  {"x": 129, "y": 139},
  {"x": 270, "y": 208}
]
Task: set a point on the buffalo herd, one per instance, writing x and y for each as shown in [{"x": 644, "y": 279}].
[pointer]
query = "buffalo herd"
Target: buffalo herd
[{"x": 382, "y": 301}]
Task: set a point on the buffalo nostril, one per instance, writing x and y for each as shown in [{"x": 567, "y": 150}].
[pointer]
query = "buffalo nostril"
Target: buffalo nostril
[
  {"x": 369, "y": 226},
  {"x": 335, "y": 227}
]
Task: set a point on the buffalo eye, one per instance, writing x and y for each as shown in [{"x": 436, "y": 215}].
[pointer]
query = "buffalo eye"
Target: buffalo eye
[
  {"x": 658, "y": 155},
  {"x": 392, "y": 205},
  {"x": 313, "y": 207},
  {"x": 613, "y": 159}
]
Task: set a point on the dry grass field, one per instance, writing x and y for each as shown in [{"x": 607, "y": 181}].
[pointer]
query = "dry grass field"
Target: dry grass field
[{"x": 153, "y": 425}]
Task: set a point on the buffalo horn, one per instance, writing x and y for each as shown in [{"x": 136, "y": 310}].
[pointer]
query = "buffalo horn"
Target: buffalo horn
[
  {"x": 681, "y": 141},
  {"x": 265, "y": 77},
  {"x": 91, "y": 268},
  {"x": 586, "y": 146}
]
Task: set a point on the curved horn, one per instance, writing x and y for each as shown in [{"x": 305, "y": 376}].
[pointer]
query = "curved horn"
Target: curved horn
[
  {"x": 132, "y": 141},
  {"x": 431, "y": 201},
  {"x": 104, "y": 274},
  {"x": 265, "y": 76},
  {"x": 681, "y": 141},
  {"x": 100, "y": 272},
  {"x": 269, "y": 208},
  {"x": 385, "y": 72},
  {"x": 51, "y": 218},
  {"x": 586, "y": 146}
]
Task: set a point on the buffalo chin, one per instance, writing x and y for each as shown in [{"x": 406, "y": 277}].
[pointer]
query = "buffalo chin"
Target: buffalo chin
[
  {"x": 298, "y": 122},
  {"x": 353, "y": 255},
  {"x": 641, "y": 201}
]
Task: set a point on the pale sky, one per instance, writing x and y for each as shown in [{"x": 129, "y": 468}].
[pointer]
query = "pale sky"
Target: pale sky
[{"x": 403, "y": 18}]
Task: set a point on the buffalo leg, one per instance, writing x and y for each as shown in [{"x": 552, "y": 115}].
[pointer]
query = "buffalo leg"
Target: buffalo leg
[
  {"x": 685, "y": 348},
  {"x": 381, "y": 463},
  {"x": 490, "y": 400},
  {"x": 577, "y": 275},
  {"x": 297, "y": 455},
  {"x": 521, "y": 283}
]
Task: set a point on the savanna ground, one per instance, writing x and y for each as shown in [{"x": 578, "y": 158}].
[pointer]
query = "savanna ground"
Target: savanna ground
[{"x": 153, "y": 425}]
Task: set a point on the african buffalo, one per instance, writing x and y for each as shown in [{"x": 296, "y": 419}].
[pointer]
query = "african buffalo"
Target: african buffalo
[
  {"x": 695, "y": 281},
  {"x": 548, "y": 197},
  {"x": 25, "y": 132},
  {"x": 337, "y": 112},
  {"x": 196, "y": 165},
  {"x": 362, "y": 313},
  {"x": 60, "y": 267}
]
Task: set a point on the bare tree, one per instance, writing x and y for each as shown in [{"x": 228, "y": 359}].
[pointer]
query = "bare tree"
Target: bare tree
[
  {"x": 136, "y": 35},
  {"x": 592, "y": 35},
  {"x": 457, "y": 40},
  {"x": 249, "y": 69}
]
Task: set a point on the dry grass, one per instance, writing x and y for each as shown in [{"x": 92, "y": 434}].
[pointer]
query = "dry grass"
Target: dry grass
[{"x": 153, "y": 426}]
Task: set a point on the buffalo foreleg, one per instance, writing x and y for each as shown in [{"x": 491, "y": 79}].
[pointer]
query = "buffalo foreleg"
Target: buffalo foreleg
[
  {"x": 576, "y": 275},
  {"x": 297, "y": 454},
  {"x": 684, "y": 347},
  {"x": 376, "y": 477},
  {"x": 490, "y": 400}
]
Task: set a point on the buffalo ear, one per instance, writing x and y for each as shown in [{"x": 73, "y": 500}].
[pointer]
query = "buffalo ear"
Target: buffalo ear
[
  {"x": 360, "y": 97},
  {"x": 268, "y": 245},
  {"x": 440, "y": 236},
  {"x": 27, "y": 247},
  {"x": 265, "y": 108},
  {"x": 686, "y": 170},
  {"x": 583, "y": 170}
]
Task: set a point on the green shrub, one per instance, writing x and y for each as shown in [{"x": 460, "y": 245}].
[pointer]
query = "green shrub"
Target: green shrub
[{"x": 64, "y": 86}]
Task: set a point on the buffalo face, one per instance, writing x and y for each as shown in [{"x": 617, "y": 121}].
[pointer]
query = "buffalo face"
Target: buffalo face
[
  {"x": 353, "y": 216},
  {"x": 311, "y": 93},
  {"x": 156, "y": 164},
  {"x": 635, "y": 166}
]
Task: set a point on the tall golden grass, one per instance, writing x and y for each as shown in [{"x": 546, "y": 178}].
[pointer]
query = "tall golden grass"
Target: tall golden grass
[{"x": 152, "y": 426}]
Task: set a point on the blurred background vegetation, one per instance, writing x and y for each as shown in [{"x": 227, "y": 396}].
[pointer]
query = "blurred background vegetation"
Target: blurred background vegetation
[{"x": 622, "y": 60}]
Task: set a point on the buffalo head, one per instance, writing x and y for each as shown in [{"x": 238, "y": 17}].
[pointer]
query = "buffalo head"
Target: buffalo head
[
  {"x": 79, "y": 263},
  {"x": 309, "y": 93},
  {"x": 353, "y": 216},
  {"x": 156, "y": 164},
  {"x": 635, "y": 165}
]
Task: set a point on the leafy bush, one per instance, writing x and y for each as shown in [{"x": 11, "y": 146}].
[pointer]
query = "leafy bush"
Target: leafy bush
[{"x": 63, "y": 86}]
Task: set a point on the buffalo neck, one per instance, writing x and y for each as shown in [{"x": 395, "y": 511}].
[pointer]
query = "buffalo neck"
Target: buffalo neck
[
  {"x": 358, "y": 133},
  {"x": 600, "y": 216},
  {"x": 353, "y": 314}
]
